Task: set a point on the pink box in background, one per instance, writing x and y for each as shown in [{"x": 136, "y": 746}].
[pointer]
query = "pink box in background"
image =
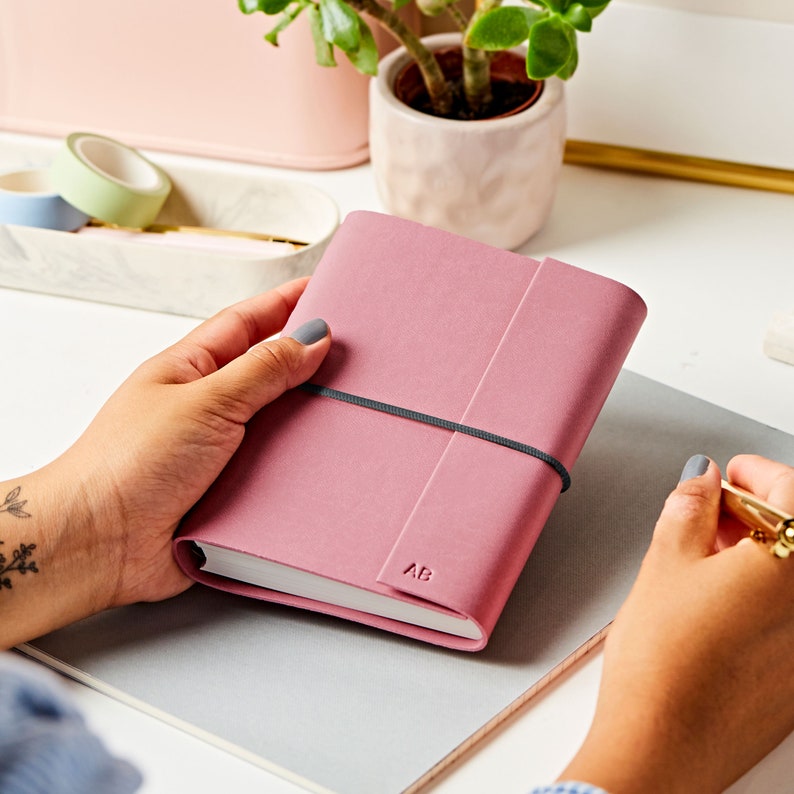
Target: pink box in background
[{"x": 191, "y": 77}]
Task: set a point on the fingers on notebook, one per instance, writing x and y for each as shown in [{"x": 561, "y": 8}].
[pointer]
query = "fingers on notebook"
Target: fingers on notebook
[
  {"x": 230, "y": 333},
  {"x": 268, "y": 369}
]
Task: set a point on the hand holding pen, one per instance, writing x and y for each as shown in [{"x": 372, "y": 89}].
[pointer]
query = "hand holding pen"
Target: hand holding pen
[
  {"x": 696, "y": 686},
  {"x": 765, "y": 522}
]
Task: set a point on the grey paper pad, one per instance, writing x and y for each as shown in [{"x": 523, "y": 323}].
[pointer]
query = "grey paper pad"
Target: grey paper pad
[{"x": 359, "y": 710}]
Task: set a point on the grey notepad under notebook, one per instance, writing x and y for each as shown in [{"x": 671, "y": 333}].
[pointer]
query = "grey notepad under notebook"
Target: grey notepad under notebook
[{"x": 357, "y": 710}]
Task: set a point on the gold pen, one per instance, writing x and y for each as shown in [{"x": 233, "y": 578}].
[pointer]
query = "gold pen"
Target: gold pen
[
  {"x": 160, "y": 228},
  {"x": 767, "y": 524}
]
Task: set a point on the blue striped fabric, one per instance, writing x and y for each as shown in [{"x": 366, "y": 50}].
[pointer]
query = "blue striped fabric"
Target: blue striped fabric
[
  {"x": 568, "y": 787},
  {"x": 45, "y": 744}
]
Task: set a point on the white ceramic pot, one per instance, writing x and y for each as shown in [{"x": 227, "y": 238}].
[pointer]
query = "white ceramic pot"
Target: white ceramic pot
[{"x": 491, "y": 180}]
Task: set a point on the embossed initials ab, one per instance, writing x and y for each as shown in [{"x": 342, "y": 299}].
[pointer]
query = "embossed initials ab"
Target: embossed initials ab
[{"x": 421, "y": 573}]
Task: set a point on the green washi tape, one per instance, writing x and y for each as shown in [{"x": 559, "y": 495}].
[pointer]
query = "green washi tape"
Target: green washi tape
[{"x": 109, "y": 180}]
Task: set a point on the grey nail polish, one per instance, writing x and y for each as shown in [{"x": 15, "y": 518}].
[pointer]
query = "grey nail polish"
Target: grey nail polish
[
  {"x": 694, "y": 467},
  {"x": 310, "y": 332}
]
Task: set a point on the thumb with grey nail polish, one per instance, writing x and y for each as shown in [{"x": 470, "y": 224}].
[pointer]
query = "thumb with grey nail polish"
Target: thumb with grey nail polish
[
  {"x": 272, "y": 367},
  {"x": 688, "y": 522},
  {"x": 694, "y": 467}
]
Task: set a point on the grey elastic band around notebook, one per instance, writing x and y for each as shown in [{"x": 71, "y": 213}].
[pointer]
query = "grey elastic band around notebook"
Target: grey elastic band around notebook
[{"x": 407, "y": 413}]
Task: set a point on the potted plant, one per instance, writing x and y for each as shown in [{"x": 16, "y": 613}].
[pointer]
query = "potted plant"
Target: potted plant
[{"x": 460, "y": 137}]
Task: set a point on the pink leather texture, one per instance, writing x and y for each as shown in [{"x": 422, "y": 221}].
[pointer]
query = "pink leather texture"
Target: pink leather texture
[{"x": 440, "y": 324}]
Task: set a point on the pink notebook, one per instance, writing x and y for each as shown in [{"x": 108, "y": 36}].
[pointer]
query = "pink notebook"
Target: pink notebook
[{"x": 475, "y": 376}]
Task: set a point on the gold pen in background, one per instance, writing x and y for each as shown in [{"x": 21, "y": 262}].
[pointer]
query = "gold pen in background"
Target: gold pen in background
[
  {"x": 160, "y": 228},
  {"x": 767, "y": 524}
]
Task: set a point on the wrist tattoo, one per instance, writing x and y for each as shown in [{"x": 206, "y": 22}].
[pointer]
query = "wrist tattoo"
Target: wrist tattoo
[
  {"x": 20, "y": 561},
  {"x": 13, "y": 506}
]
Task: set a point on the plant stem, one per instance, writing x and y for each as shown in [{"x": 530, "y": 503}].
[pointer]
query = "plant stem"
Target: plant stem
[
  {"x": 477, "y": 67},
  {"x": 476, "y": 72},
  {"x": 477, "y": 79},
  {"x": 437, "y": 87},
  {"x": 458, "y": 18}
]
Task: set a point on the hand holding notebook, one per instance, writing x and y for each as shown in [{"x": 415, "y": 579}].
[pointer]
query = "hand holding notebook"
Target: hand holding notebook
[
  {"x": 108, "y": 506},
  {"x": 380, "y": 516}
]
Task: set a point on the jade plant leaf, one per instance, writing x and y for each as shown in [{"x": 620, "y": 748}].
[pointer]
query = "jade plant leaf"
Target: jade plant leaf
[
  {"x": 266, "y": 6},
  {"x": 287, "y": 18},
  {"x": 579, "y": 18},
  {"x": 323, "y": 50},
  {"x": 573, "y": 61},
  {"x": 366, "y": 57},
  {"x": 557, "y": 6},
  {"x": 503, "y": 27},
  {"x": 550, "y": 47},
  {"x": 340, "y": 25},
  {"x": 594, "y": 7}
]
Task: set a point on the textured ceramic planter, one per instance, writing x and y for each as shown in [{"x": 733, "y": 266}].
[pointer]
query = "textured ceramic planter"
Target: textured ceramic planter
[{"x": 492, "y": 180}]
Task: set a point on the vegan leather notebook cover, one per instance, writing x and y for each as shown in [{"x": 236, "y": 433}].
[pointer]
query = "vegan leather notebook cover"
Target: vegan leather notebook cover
[{"x": 435, "y": 523}]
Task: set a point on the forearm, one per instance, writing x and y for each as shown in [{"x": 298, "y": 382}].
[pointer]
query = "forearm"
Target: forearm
[
  {"x": 52, "y": 570},
  {"x": 623, "y": 757}
]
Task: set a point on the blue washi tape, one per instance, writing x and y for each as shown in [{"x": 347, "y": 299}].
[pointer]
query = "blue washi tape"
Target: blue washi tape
[{"x": 27, "y": 198}]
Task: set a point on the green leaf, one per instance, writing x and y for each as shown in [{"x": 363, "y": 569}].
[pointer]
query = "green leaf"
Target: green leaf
[
  {"x": 579, "y": 18},
  {"x": 286, "y": 20},
  {"x": 502, "y": 28},
  {"x": 550, "y": 47},
  {"x": 323, "y": 50},
  {"x": 595, "y": 11},
  {"x": 269, "y": 7},
  {"x": 248, "y": 6},
  {"x": 398, "y": 4},
  {"x": 570, "y": 67},
  {"x": 340, "y": 25},
  {"x": 366, "y": 57}
]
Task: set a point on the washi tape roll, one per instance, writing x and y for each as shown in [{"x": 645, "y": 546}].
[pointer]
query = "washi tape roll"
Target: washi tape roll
[
  {"x": 109, "y": 180},
  {"x": 28, "y": 198}
]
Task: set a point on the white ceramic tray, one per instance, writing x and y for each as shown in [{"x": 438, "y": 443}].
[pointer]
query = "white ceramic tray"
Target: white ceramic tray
[{"x": 181, "y": 281}]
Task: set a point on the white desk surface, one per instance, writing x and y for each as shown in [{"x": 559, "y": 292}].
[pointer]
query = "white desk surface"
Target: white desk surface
[{"x": 713, "y": 264}]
